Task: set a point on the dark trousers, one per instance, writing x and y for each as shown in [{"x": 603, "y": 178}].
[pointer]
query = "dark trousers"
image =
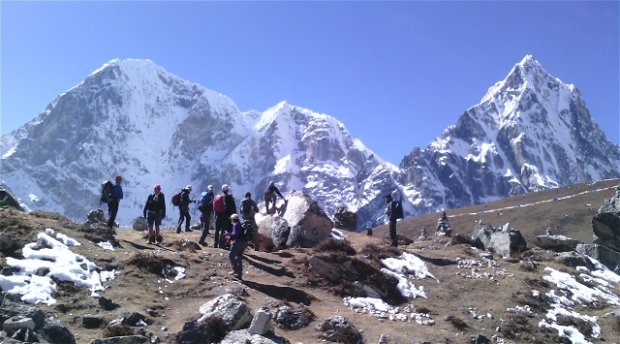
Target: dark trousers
[
  {"x": 221, "y": 227},
  {"x": 204, "y": 224},
  {"x": 270, "y": 197},
  {"x": 184, "y": 215},
  {"x": 112, "y": 211},
  {"x": 236, "y": 255},
  {"x": 393, "y": 236}
]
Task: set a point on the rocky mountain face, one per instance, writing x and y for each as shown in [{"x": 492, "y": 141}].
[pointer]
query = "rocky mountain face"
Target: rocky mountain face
[
  {"x": 133, "y": 118},
  {"x": 529, "y": 132}
]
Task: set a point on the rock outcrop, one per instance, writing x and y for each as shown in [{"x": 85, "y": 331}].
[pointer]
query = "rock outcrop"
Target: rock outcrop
[{"x": 309, "y": 223}]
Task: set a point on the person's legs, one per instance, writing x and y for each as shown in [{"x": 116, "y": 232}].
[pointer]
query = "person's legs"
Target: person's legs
[
  {"x": 157, "y": 224},
  {"x": 393, "y": 236},
  {"x": 204, "y": 226},
  {"x": 181, "y": 219},
  {"x": 188, "y": 219},
  {"x": 219, "y": 230},
  {"x": 149, "y": 221},
  {"x": 112, "y": 210}
]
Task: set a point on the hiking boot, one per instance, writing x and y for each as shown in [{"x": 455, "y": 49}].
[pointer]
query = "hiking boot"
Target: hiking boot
[
  {"x": 202, "y": 243},
  {"x": 187, "y": 230},
  {"x": 178, "y": 230}
]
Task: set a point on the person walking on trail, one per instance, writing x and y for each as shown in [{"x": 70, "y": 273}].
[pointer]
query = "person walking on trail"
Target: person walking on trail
[
  {"x": 270, "y": 197},
  {"x": 154, "y": 211},
  {"x": 248, "y": 212},
  {"x": 392, "y": 215},
  {"x": 113, "y": 202},
  {"x": 239, "y": 243},
  {"x": 184, "y": 209},
  {"x": 206, "y": 210},
  {"x": 223, "y": 206}
]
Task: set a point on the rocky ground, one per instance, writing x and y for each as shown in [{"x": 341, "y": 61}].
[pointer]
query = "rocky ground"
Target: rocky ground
[{"x": 463, "y": 294}]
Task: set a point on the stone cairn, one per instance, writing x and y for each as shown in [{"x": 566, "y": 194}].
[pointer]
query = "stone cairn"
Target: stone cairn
[{"x": 443, "y": 226}]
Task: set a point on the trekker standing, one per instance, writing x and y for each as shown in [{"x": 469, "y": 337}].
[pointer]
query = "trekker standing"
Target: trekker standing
[
  {"x": 239, "y": 243},
  {"x": 154, "y": 211},
  {"x": 116, "y": 197},
  {"x": 184, "y": 209},
  {"x": 206, "y": 209},
  {"x": 392, "y": 216},
  {"x": 270, "y": 196},
  {"x": 248, "y": 212},
  {"x": 224, "y": 206}
]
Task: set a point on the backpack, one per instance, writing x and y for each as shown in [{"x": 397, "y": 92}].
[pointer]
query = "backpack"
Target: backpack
[
  {"x": 247, "y": 229},
  {"x": 246, "y": 207},
  {"x": 106, "y": 191},
  {"x": 203, "y": 205},
  {"x": 176, "y": 200},
  {"x": 218, "y": 204},
  {"x": 398, "y": 210}
]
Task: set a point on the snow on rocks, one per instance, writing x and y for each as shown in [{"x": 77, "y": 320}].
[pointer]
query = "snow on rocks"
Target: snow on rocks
[
  {"x": 588, "y": 289},
  {"x": 403, "y": 268},
  {"x": 50, "y": 257}
]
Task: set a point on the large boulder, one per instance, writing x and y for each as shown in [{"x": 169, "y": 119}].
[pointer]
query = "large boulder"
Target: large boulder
[
  {"x": 345, "y": 219},
  {"x": 274, "y": 227},
  {"x": 504, "y": 240},
  {"x": 556, "y": 243},
  {"x": 309, "y": 223},
  {"x": 606, "y": 224},
  {"x": 608, "y": 257},
  {"x": 232, "y": 310},
  {"x": 245, "y": 337},
  {"x": 8, "y": 200}
]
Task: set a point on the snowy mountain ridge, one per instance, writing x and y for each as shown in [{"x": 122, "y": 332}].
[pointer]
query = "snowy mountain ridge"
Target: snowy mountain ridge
[{"x": 133, "y": 118}]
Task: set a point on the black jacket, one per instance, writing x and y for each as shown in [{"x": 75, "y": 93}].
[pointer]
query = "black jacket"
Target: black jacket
[
  {"x": 229, "y": 205},
  {"x": 155, "y": 204}
]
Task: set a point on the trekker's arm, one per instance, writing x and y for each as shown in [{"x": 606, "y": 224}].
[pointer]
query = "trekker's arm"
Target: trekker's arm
[
  {"x": 146, "y": 205},
  {"x": 163, "y": 205},
  {"x": 278, "y": 192}
]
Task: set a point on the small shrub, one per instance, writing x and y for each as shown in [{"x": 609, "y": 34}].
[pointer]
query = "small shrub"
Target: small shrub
[
  {"x": 117, "y": 331},
  {"x": 456, "y": 322},
  {"x": 150, "y": 262}
]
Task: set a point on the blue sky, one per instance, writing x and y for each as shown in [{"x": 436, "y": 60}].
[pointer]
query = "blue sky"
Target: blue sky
[{"x": 395, "y": 73}]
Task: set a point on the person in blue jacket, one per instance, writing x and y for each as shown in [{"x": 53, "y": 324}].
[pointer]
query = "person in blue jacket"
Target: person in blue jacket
[{"x": 117, "y": 196}]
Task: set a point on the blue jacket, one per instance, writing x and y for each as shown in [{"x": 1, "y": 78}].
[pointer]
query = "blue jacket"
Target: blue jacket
[{"x": 117, "y": 192}]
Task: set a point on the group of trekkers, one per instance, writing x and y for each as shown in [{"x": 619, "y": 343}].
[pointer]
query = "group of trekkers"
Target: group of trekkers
[{"x": 231, "y": 232}]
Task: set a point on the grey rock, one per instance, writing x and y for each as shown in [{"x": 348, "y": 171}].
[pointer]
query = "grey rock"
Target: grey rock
[
  {"x": 309, "y": 224},
  {"x": 140, "y": 224},
  {"x": 54, "y": 332},
  {"x": 96, "y": 216},
  {"x": 91, "y": 321},
  {"x": 17, "y": 322},
  {"x": 261, "y": 322},
  {"x": 480, "y": 339},
  {"x": 504, "y": 240},
  {"x": 244, "y": 336},
  {"x": 9, "y": 309},
  {"x": 606, "y": 223},
  {"x": 231, "y": 309},
  {"x": 107, "y": 303},
  {"x": 556, "y": 243},
  {"x": 575, "y": 259},
  {"x": 276, "y": 228},
  {"x": 7, "y": 244},
  {"x": 345, "y": 219},
  {"x": 133, "y": 339},
  {"x": 603, "y": 254},
  {"x": 289, "y": 318},
  {"x": 8, "y": 200},
  {"x": 337, "y": 329}
]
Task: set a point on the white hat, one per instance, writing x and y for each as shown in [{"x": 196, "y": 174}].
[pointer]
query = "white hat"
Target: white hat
[
  {"x": 225, "y": 187},
  {"x": 210, "y": 187}
]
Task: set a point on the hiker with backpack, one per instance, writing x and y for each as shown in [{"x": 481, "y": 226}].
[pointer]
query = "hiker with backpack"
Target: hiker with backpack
[
  {"x": 270, "y": 197},
  {"x": 114, "y": 196},
  {"x": 223, "y": 206},
  {"x": 206, "y": 210},
  {"x": 248, "y": 212},
  {"x": 154, "y": 211},
  {"x": 239, "y": 241},
  {"x": 393, "y": 212},
  {"x": 184, "y": 209}
]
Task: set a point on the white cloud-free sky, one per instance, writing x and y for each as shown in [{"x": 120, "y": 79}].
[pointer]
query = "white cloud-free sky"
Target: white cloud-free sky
[{"x": 395, "y": 73}]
